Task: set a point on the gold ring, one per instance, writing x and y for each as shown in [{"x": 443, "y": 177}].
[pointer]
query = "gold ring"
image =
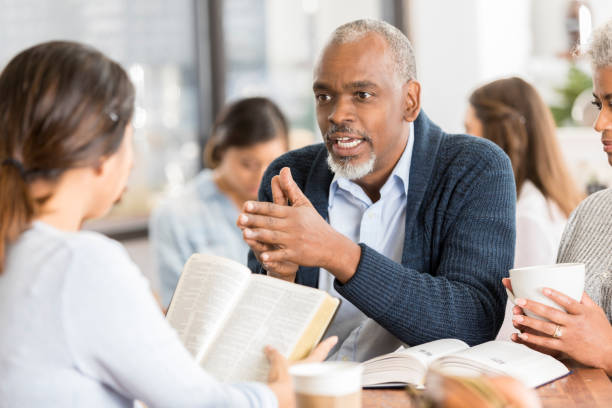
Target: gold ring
[{"x": 557, "y": 334}]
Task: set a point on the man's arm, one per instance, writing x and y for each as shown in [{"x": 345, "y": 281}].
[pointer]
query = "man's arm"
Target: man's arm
[{"x": 465, "y": 298}]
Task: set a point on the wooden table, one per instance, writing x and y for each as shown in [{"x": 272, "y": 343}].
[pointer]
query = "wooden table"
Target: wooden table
[{"x": 585, "y": 387}]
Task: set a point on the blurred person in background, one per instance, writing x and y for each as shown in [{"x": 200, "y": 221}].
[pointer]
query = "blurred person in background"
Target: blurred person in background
[
  {"x": 246, "y": 137},
  {"x": 80, "y": 326},
  {"x": 583, "y": 332},
  {"x": 511, "y": 113}
]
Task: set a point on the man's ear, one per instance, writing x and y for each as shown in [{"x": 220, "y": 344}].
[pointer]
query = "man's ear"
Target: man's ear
[{"x": 412, "y": 100}]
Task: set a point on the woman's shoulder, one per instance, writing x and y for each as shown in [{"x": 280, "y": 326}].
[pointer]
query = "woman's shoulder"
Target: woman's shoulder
[
  {"x": 99, "y": 263},
  {"x": 597, "y": 202},
  {"x": 593, "y": 209},
  {"x": 95, "y": 248},
  {"x": 87, "y": 253},
  {"x": 589, "y": 224}
]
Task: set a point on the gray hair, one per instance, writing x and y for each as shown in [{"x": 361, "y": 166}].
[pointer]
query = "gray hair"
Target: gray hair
[
  {"x": 403, "y": 54},
  {"x": 600, "y": 46}
]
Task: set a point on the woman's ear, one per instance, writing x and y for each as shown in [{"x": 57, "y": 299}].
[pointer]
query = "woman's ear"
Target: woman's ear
[
  {"x": 412, "y": 100},
  {"x": 102, "y": 166}
]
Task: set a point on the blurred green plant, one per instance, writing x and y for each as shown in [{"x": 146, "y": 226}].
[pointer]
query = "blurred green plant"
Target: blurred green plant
[{"x": 576, "y": 82}]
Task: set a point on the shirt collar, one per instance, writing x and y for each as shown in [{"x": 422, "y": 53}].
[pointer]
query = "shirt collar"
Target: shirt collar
[{"x": 400, "y": 173}]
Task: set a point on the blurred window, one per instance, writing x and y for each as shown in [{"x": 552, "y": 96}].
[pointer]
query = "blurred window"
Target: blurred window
[
  {"x": 154, "y": 40},
  {"x": 270, "y": 47},
  {"x": 187, "y": 58}
]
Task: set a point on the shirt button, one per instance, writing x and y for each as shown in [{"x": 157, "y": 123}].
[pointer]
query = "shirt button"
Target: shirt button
[{"x": 344, "y": 358}]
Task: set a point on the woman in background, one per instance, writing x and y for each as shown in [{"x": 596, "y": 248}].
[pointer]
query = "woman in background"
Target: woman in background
[
  {"x": 79, "y": 324},
  {"x": 511, "y": 113},
  {"x": 247, "y": 136},
  {"x": 584, "y": 333}
]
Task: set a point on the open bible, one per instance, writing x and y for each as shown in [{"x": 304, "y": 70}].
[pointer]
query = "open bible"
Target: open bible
[
  {"x": 454, "y": 357},
  {"x": 225, "y": 316}
]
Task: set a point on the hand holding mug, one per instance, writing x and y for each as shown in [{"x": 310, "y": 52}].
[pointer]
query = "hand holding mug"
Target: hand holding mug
[{"x": 582, "y": 332}]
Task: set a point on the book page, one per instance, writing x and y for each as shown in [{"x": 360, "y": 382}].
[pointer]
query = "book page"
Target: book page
[
  {"x": 270, "y": 312},
  {"x": 504, "y": 358},
  {"x": 425, "y": 353},
  {"x": 206, "y": 292},
  {"x": 408, "y": 364}
]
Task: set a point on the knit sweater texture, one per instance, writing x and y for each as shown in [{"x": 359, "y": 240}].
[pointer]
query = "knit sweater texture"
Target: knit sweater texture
[
  {"x": 458, "y": 245},
  {"x": 588, "y": 239}
]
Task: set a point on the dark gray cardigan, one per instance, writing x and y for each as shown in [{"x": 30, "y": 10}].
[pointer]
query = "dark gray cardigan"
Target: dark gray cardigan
[{"x": 459, "y": 240}]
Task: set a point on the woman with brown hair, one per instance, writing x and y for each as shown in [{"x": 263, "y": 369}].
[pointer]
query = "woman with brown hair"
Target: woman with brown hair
[
  {"x": 511, "y": 113},
  {"x": 79, "y": 324},
  {"x": 201, "y": 217}
]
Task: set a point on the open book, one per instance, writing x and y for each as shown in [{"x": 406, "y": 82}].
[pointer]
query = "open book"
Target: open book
[
  {"x": 225, "y": 316},
  {"x": 454, "y": 357}
]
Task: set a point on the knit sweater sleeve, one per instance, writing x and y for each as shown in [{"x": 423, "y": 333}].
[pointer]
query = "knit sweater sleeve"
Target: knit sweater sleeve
[
  {"x": 461, "y": 296},
  {"x": 587, "y": 239}
]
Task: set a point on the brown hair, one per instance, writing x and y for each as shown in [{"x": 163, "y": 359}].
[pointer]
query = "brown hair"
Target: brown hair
[
  {"x": 62, "y": 105},
  {"x": 515, "y": 117},
  {"x": 244, "y": 123}
]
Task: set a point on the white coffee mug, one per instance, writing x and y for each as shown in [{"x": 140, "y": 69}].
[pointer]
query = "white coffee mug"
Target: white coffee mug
[
  {"x": 528, "y": 282},
  {"x": 328, "y": 384}
]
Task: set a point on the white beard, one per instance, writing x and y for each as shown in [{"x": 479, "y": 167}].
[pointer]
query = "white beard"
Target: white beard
[{"x": 346, "y": 169}]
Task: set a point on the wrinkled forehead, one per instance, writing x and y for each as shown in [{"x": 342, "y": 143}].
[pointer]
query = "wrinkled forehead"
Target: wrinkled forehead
[{"x": 366, "y": 56}]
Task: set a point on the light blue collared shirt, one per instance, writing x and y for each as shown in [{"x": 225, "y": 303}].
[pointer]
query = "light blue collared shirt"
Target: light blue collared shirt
[{"x": 381, "y": 226}]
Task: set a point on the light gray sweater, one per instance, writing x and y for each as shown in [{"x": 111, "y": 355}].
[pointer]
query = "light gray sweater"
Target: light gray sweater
[{"x": 588, "y": 239}]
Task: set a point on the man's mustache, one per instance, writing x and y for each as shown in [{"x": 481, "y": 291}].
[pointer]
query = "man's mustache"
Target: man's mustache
[{"x": 333, "y": 129}]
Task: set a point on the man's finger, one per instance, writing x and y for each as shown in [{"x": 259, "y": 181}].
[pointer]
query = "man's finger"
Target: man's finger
[
  {"x": 258, "y": 247},
  {"x": 276, "y": 255},
  {"x": 322, "y": 350},
  {"x": 264, "y": 236},
  {"x": 260, "y": 221},
  {"x": 281, "y": 270},
  {"x": 265, "y": 208},
  {"x": 291, "y": 190},
  {"x": 278, "y": 196}
]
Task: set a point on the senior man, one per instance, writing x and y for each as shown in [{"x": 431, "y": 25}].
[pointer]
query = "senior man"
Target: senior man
[{"x": 412, "y": 227}]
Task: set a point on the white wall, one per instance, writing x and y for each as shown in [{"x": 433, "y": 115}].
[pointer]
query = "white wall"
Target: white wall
[{"x": 462, "y": 44}]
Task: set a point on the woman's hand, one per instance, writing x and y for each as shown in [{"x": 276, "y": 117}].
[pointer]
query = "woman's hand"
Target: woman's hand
[
  {"x": 279, "y": 379},
  {"x": 518, "y": 311},
  {"x": 583, "y": 332}
]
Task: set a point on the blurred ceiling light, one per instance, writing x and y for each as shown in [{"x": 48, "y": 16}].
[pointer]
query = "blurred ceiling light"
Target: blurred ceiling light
[{"x": 310, "y": 6}]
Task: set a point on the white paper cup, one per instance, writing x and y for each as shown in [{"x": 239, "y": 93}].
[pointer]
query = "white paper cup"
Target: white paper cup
[
  {"x": 331, "y": 384},
  {"x": 527, "y": 283}
]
